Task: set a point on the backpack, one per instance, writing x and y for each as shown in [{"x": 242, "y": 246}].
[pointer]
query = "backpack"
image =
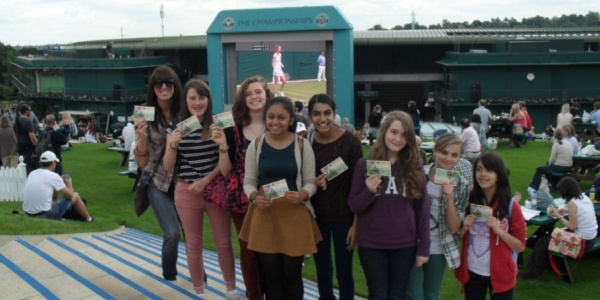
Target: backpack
[{"x": 44, "y": 144}]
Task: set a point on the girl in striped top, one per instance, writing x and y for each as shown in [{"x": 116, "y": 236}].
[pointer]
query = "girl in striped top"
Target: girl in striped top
[{"x": 194, "y": 158}]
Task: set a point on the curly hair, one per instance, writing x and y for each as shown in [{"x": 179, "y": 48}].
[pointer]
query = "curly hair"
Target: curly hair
[{"x": 241, "y": 114}]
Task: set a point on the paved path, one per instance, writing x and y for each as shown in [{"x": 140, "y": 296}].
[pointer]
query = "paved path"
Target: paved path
[{"x": 122, "y": 264}]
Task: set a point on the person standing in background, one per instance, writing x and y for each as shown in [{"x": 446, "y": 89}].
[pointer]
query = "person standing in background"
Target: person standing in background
[
  {"x": 564, "y": 117},
  {"x": 321, "y": 62},
  {"x": 57, "y": 139},
  {"x": 374, "y": 121},
  {"x": 278, "y": 76},
  {"x": 26, "y": 138},
  {"x": 128, "y": 135},
  {"x": 484, "y": 113},
  {"x": 8, "y": 144}
]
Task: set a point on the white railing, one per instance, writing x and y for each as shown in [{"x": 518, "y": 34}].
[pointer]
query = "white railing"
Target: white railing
[{"x": 12, "y": 182}]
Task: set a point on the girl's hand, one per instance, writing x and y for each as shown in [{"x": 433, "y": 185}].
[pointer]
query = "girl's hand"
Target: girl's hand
[
  {"x": 372, "y": 182},
  {"x": 493, "y": 223},
  {"x": 197, "y": 187},
  {"x": 468, "y": 222},
  {"x": 140, "y": 127},
  {"x": 296, "y": 197},
  {"x": 175, "y": 137},
  {"x": 448, "y": 189},
  {"x": 321, "y": 181},
  {"x": 351, "y": 238},
  {"x": 421, "y": 260},
  {"x": 262, "y": 202},
  {"x": 217, "y": 135}
]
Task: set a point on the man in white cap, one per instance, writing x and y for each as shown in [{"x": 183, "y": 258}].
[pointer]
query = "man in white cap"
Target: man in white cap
[
  {"x": 41, "y": 191},
  {"x": 301, "y": 129}
]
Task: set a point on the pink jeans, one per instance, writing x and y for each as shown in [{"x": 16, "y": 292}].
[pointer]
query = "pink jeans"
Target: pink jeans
[{"x": 191, "y": 208}]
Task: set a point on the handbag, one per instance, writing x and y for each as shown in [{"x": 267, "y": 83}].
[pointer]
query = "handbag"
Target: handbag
[
  {"x": 140, "y": 197},
  {"x": 566, "y": 243},
  {"x": 227, "y": 191}
]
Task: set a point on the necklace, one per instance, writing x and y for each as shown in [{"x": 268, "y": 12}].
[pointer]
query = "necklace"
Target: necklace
[{"x": 254, "y": 132}]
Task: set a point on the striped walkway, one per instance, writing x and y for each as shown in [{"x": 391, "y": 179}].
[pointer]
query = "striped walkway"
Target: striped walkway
[{"x": 123, "y": 264}]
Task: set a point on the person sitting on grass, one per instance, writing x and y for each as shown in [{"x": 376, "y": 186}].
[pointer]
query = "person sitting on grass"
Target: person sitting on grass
[{"x": 41, "y": 190}]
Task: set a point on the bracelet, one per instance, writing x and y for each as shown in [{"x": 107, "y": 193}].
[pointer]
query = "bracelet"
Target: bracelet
[
  {"x": 136, "y": 151},
  {"x": 223, "y": 150},
  {"x": 172, "y": 148},
  {"x": 253, "y": 197}
]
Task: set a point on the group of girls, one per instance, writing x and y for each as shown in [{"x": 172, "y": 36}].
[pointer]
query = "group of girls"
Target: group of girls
[{"x": 407, "y": 227}]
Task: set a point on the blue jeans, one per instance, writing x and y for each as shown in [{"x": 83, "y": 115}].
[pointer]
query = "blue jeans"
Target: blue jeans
[
  {"x": 478, "y": 286},
  {"x": 164, "y": 208},
  {"x": 57, "y": 210},
  {"x": 336, "y": 231},
  {"x": 387, "y": 271}
]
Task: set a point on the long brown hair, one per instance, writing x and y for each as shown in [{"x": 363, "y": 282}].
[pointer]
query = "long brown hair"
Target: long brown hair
[
  {"x": 163, "y": 73},
  {"x": 202, "y": 89},
  {"x": 409, "y": 158},
  {"x": 241, "y": 114}
]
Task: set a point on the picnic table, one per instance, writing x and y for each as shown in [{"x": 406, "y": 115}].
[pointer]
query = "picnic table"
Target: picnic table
[
  {"x": 124, "y": 154},
  {"x": 503, "y": 129},
  {"x": 584, "y": 167},
  {"x": 585, "y": 131}
]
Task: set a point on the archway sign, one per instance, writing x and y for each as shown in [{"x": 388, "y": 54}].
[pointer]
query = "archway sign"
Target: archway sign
[{"x": 242, "y": 43}]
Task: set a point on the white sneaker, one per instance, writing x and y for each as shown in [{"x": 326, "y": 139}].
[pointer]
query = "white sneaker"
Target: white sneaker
[
  {"x": 531, "y": 192},
  {"x": 238, "y": 296},
  {"x": 281, "y": 94}
]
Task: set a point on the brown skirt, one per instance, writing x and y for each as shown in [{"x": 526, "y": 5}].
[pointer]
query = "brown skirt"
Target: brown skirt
[{"x": 284, "y": 227}]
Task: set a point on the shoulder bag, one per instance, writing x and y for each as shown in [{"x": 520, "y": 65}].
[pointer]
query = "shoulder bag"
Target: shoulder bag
[
  {"x": 227, "y": 192},
  {"x": 140, "y": 197}
]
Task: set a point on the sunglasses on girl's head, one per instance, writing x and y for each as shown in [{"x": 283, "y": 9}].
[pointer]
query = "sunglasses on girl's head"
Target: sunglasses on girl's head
[{"x": 168, "y": 82}]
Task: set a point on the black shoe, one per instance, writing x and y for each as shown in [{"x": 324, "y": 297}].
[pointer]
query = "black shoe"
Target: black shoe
[{"x": 530, "y": 276}]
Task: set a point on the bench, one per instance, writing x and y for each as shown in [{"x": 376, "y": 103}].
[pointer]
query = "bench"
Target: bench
[
  {"x": 131, "y": 175},
  {"x": 568, "y": 276}
]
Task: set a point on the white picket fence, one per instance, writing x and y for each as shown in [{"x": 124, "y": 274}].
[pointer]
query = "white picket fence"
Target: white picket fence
[{"x": 12, "y": 182}]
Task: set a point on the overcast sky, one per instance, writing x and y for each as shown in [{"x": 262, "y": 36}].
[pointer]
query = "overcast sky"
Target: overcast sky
[{"x": 40, "y": 22}]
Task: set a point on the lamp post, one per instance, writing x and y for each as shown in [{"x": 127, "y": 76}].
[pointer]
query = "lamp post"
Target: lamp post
[{"x": 108, "y": 121}]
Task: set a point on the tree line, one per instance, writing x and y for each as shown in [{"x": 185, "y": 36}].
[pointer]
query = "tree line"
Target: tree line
[
  {"x": 591, "y": 19},
  {"x": 8, "y": 55}
]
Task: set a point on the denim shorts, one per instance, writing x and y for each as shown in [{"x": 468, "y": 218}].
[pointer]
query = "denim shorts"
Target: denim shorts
[{"x": 58, "y": 209}]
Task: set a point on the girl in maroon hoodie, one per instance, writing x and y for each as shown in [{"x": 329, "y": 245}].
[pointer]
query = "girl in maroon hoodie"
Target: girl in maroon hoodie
[{"x": 491, "y": 232}]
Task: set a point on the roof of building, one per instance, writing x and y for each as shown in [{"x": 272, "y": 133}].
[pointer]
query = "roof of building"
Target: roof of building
[{"x": 372, "y": 37}]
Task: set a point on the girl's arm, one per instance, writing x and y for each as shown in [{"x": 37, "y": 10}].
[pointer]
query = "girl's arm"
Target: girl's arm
[
  {"x": 141, "y": 150},
  {"x": 251, "y": 175},
  {"x": 515, "y": 236},
  {"x": 571, "y": 223},
  {"x": 171, "y": 148},
  {"x": 219, "y": 137},
  {"x": 360, "y": 197},
  {"x": 456, "y": 206}
]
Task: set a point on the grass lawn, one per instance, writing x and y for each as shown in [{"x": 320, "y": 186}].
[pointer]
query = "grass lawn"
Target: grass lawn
[{"x": 95, "y": 176}]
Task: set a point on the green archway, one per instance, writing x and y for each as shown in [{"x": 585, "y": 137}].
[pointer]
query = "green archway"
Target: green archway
[{"x": 240, "y": 43}]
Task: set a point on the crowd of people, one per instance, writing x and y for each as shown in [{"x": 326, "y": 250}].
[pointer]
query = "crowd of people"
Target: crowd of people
[
  {"x": 408, "y": 226},
  {"x": 306, "y": 189}
]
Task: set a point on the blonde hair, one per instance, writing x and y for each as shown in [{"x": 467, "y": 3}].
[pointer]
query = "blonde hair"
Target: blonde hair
[
  {"x": 515, "y": 107},
  {"x": 566, "y": 108},
  {"x": 410, "y": 167},
  {"x": 65, "y": 115}
]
